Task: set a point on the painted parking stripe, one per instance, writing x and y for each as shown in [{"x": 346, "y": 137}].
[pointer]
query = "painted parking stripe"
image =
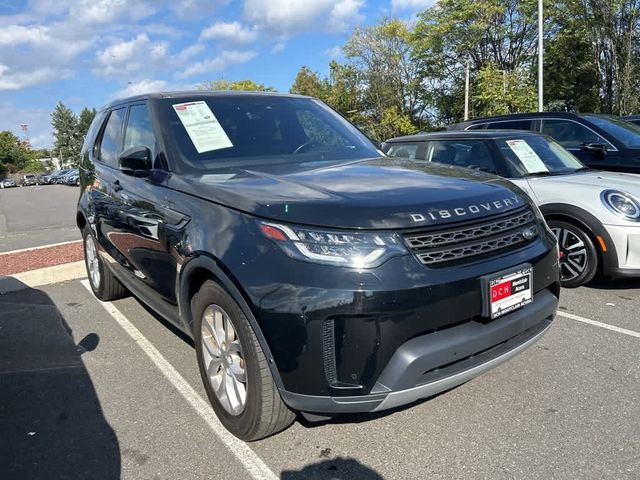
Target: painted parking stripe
[
  {"x": 21, "y": 250},
  {"x": 247, "y": 457},
  {"x": 595, "y": 323}
]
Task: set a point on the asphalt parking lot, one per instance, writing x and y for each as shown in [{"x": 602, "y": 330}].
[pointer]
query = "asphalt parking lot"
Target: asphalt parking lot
[
  {"x": 38, "y": 215},
  {"x": 106, "y": 391}
]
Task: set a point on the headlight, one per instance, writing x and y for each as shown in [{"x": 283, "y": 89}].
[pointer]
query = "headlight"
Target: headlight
[
  {"x": 349, "y": 249},
  {"x": 622, "y": 204}
]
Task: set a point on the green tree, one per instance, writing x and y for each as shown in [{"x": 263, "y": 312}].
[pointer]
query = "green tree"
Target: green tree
[
  {"x": 84, "y": 121},
  {"x": 243, "y": 85},
  {"x": 308, "y": 82},
  {"x": 498, "y": 92},
  {"x": 14, "y": 153},
  {"x": 67, "y": 140}
]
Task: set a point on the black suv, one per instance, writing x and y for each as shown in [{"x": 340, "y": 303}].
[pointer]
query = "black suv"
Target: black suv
[
  {"x": 604, "y": 142},
  {"x": 313, "y": 274}
]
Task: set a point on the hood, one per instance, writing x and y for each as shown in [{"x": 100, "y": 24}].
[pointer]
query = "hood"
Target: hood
[
  {"x": 381, "y": 193},
  {"x": 625, "y": 182}
]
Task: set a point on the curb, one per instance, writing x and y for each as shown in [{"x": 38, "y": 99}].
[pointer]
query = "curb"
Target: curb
[{"x": 43, "y": 276}]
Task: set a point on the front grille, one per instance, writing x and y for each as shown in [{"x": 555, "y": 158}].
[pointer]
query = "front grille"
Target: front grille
[{"x": 470, "y": 240}]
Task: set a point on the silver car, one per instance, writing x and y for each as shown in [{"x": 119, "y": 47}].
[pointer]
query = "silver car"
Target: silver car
[{"x": 595, "y": 215}]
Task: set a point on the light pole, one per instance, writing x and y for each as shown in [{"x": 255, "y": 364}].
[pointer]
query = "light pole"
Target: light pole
[
  {"x": 466, "y": 92},
  {"x": 540, "y": 57}
]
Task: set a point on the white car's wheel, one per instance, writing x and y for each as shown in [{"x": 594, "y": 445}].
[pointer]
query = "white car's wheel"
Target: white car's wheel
[{"x": 578, "y": 255}]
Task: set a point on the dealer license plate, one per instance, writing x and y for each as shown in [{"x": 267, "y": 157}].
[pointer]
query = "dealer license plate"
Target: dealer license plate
[{"x": 508, "y": 291}]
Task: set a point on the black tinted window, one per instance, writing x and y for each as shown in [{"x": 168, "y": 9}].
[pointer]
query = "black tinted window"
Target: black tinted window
[
  {"x": 570, "y": 134},
  {"x": 466, "y": 153},
  {"x": 139, "y": 131},
  {"x": 110, "y": 146},
  {"x": 406, "y": 150},
  {"x": 511, "y": 125}
]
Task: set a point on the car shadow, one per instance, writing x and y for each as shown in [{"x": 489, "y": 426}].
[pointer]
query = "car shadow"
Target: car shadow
[
  {"x": 614, "y": 284},
  {"x": 51, "y": 421},
  {"x": 334, "y": 469}
]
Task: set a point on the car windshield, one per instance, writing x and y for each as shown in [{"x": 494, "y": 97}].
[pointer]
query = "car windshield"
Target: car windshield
[
  {"x": 249, "y": 131},
  {"x": 625, "y": 132},
  {"x": 537, "y": 155}
]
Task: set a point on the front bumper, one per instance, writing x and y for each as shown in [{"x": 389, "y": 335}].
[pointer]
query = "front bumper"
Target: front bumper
[
  {"x": 432, "y": 363},
  {"x": 625, "y": 251}
]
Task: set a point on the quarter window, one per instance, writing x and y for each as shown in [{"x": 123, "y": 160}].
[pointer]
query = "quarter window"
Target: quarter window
[
  {"x": 570, "y": 134},
  {"x": 406, "y": 150},
  {"x": 110, "y": 145},
  {"x": 511, "y": 125},
  {"x": 139, "y": 131}
]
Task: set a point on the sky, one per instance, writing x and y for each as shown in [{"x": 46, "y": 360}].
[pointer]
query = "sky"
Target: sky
[{"x": 87, "y": 52}]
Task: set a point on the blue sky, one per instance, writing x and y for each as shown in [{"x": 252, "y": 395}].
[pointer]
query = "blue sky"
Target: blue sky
[{"x": 86, "y": 52}]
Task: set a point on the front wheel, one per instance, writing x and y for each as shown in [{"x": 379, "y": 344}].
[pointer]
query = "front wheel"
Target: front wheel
[
  {"x": 233, "y": 367},
  {"x": 578, "y": 255}
]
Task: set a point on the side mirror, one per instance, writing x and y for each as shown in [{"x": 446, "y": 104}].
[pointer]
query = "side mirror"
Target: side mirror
[
  {"x": 135, "y": 161},
  {"x": 598, "y": 149}
]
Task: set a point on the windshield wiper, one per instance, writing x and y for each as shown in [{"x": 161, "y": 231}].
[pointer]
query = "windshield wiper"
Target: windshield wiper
[{"x": 539, "y": 174}]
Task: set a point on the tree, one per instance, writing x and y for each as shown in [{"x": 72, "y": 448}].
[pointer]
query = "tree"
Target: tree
[
  {"x": 499, "y": 92},
  {"x": 243, "y": 85},
  {"x": 308, "y": 82},
  {"x": 14, "y": 153},
  {"x": 502, "y": 33},
  {"x": 67, "y": 141},
  {"x": 84, "y": 121},
  {"x": 388, "y": 80}
]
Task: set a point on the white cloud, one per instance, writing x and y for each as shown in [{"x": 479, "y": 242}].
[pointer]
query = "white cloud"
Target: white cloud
[
  {"x": 334, "y": 52},
  {"x": 413, "y": 5},
  {"x": 20, "y": 34},
  {"x": 232, "y": 32},
  {"x": 16, "y": 80},
  {"x": 143, "y": 86},
  {"x": 286, "y": 17},
  {"x": 225, "y": 59},
  {"x": 187, "y": 9},
  {"x": 131, "y": 57}
]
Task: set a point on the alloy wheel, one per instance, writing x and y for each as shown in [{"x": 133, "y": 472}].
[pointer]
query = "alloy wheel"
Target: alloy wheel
[
  {"x": 573, "y": 254},
  {"x": 224, "y": 359},
  {"x": 93, "y": 266}
]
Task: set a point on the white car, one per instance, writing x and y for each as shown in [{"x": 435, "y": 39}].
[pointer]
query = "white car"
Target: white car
[{"x": 595, "y": 215}]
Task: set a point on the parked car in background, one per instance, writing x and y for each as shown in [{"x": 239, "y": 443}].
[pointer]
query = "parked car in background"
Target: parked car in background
[
  {"x": 30, "y": 179},
  {"x": 72, "y": 177},
  {"x": 58, "y": 176},
  {"x": 595, "y": 215},
  {"x": 313, "y": 275},
  {"x": 599, "y": 141},
  {"x": 635, "y": 119},
  {"x": 8, "y": 183}
]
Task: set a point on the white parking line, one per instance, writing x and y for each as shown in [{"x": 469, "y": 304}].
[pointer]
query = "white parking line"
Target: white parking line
[
  {"x": 595, "y": 323},
  {"x": 247, "y": 457},
  {"x": 21, "y": 250}
]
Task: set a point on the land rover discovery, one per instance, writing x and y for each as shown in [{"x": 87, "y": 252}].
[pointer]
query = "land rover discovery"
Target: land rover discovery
[{"x": 314, "y": 274}]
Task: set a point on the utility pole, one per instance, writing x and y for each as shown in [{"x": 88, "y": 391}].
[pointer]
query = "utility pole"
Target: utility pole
[
  {"x": 466, "y": 93},
  {"x": 540, "y": 57}
]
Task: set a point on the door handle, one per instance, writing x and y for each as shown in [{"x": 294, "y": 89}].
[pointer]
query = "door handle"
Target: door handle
[{"x": 116, "y": 186}]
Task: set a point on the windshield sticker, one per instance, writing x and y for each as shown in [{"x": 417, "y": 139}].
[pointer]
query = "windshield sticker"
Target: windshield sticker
[
  {"x": 527, "y": 156},
  {"x": 203, "y": 127}
]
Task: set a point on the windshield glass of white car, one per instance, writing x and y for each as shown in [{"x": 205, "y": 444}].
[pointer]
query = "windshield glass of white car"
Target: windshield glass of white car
[{"x": 538, "y": 156}]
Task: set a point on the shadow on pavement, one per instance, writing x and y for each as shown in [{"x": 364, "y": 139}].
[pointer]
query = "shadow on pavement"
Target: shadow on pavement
[
  {"x": 51, "y": 421},
  {"x": 335, "y": 469},
  {"x": 614, "y": 283}
]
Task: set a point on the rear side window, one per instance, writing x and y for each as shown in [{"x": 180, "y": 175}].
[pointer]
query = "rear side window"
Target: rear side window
[
  {"x": 406, "y": 150},
  {"x": 139, "y": 132},
  {"x": 511, "y": 125},
  {"x": 110, "y": 145},
  {"x": 474, "y": 154},
  {"x": 570, "y": 134},
  {"x": 94, "y": 128}
]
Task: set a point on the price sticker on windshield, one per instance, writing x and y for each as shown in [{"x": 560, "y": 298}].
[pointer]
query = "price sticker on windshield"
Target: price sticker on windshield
[
  {"x": 527, "y": 155},
  {"x": 202, "y": 126}
]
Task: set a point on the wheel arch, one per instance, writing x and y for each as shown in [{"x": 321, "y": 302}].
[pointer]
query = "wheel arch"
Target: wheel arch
[
  {"x": 202, "y": 268},
  {"x": 592, "y": 226}
]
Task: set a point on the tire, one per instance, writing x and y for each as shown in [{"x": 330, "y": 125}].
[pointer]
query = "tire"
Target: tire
[
  {"x": 105, "y": 286},
  {"x": 578, "y": 254},
  {"x": 263, "y": 412},
  {"x": 78, "y": 183}
]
